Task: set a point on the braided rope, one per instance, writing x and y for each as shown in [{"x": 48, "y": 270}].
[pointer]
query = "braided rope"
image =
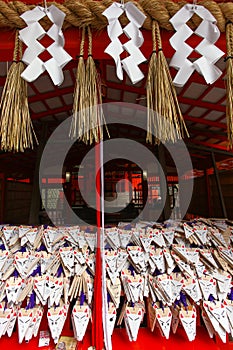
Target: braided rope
[{"x": 81, "y": 13}]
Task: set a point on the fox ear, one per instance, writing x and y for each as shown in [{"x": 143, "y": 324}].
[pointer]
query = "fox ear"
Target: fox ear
[
  {"x": 127, "y": 311},
  {"x": 158, "y": 316},
  {"x": 181, "y": 316},
  {"x": 49, "y": 313},
  {"x": 193, "y": 315},
  {"x": 169, "y": 315},
  {"x": 139, "y": 312}
]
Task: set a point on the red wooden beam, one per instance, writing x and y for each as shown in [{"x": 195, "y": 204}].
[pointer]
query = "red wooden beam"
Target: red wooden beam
[
  {"x": 203, "y": 104},
  {"x": 51, "y": 112},
  {"x": 209, "y": 134},
  {"x": 211, "y": 145},
  {"x": 194, "y": 155},
  {"x": 100, "y": 42},
  {"x": 54, "y": 93},
  {"x": 205, "y": 121}
]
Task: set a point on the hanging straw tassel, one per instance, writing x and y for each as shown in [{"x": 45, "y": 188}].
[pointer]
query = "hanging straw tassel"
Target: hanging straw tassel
[
  {"x": 78, "y": 123},
  {"x": 168, "y": 123},
  {"x": 150, "y": 90},
  {"x": 229, "y": 85},
  {"x": 95, "y": 117},
  {"x": 16, "y": 128}
]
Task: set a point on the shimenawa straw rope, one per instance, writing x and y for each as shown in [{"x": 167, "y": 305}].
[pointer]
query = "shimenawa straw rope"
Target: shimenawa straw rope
[{"x": 81, "y": 13}]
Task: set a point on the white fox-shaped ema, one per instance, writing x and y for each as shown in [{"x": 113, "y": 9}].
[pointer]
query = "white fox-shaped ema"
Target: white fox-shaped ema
[
  {"x": 164, "y": 318},
  {"x": 188, "y": 318},
  {"x": 56, "y": 320},
  {"x": 24, "y": 321},
  {"x": 111, "y": 318},
  {"x": 80, "y": 318},
  {"x": 133, "y": 317}
]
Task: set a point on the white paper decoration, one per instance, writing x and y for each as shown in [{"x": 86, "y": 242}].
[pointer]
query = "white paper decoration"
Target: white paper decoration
[
  {"x": 210, "y": 54},
  {"x": 31, "y": 36},
  {"x": 116, "y": 48}
]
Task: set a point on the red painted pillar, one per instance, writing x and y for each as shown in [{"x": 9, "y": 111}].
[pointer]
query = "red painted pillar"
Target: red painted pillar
[{"x": 97, "y": 322}]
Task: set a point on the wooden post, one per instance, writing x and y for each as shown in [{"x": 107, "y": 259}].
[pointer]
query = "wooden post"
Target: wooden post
[
  {"x": 162, "y": 160},
  {"x": 207, "y": 181},
  {"x": 219, "y": 186},
  {"x": 35, "y": 200},
  {"x": 2, "y": 196}
]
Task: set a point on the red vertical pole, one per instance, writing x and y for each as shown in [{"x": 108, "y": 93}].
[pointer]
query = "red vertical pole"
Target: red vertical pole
[
  {"x": 97, "y": 322},
  {"x": 2, "y": 196}
]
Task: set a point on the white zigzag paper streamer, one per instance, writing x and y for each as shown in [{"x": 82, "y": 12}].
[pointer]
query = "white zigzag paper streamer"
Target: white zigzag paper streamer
[
  {"x": 34, "y": 32},
  {"x": 209, "y": 31},
  {"x": 116, "y": 48}
]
